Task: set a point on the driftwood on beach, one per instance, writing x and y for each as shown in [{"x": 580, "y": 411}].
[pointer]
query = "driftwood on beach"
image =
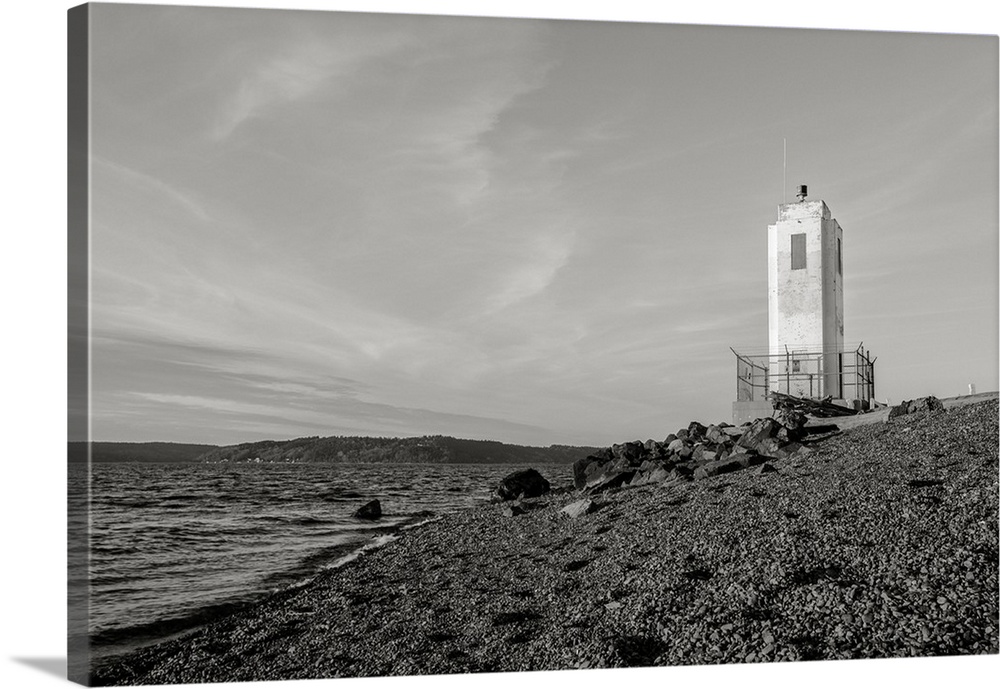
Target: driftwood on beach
[
  {"x": 878, "y": 542},
  {"x": 824, "y": 407}
]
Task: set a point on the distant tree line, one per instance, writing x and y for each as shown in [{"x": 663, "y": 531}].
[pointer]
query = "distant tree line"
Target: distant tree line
[
  {"x": 436, "y": 449},
  {"x": 138, "y": 452}
]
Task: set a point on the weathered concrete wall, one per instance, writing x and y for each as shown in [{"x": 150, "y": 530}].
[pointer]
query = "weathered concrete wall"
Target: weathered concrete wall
[
  {"x": 833, "y": 306},
  {"x": 748, "y": 411}
]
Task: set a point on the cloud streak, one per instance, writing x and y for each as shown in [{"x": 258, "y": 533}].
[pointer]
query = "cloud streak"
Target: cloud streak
[
  {"x": 297, "y": 72},
  {"x": 185, "y": 200},
  {"x": 531, "y": 275}
]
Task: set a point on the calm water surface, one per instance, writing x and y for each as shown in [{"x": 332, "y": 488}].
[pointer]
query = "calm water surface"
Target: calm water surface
[{"x": 175, "y": 545}]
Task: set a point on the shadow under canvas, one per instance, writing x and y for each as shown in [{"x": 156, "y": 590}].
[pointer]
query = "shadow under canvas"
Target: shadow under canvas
[{"x": 50, "y": 665}]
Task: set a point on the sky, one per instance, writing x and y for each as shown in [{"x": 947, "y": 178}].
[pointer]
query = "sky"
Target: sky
[{"x": 527, "y": 230}]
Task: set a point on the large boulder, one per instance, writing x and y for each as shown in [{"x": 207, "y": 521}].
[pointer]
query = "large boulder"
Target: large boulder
[
  {"x": 735, "y": 462},
  {"x": 651, "y": 465},
  {"x": 696, "y": 430},
  {"x": 527, "y": 483},
  {"x": 680, "y": 473},
  {"x": 771, "y": 447},
  {"x": 370, "y": 510},
  {"x": 657, "y": 473},
  {"x": 757, "y": 433},
  {"x": 620, "y": 464},
  {"x": 587, "y": 467},
  {"x": 716, "y": 434},
  {"x": 676, "y": 445},
  {"x": 793, "y": 422},
  {"x": 611, "y": 479},
  {"x": 930, "y": 403},
  {"x": 704, "y": 453},
  {"x": 790, "y": 449},
  {"x": 579, "y": 508},
  {"x": 631, "y": 452},
  {"x": 595, "y": 471}
]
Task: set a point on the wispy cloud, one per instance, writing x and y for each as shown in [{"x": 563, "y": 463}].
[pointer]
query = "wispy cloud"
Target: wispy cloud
[
  {"x": 185, "y": 199},
  {"x": 297, "y": 72},
  {"x": 455, "y": 106},
  {"x": 236, "y": 419},
  {"x": 543, "y": 256},
  {"x": 699, "y": 326}
]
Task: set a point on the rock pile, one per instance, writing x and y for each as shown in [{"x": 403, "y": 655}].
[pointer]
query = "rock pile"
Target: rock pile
[
  {"x": 695, "y": 452},
  {"x": 926, "y": 404}
]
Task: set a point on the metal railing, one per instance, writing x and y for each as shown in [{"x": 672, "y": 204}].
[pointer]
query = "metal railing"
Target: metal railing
[{"x": 813, "y": 372}]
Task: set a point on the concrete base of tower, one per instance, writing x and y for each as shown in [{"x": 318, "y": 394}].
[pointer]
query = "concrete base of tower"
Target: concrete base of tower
[{"x": 748, "y": 411}]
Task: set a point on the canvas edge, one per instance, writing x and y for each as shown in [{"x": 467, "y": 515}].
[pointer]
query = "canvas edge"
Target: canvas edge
[{"x": 78, "y": 341}]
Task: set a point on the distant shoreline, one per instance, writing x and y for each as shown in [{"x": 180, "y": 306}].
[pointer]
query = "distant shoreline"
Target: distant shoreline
[
  {"x": 333, "y": 450},
  {"x": 113, "y": 451}
]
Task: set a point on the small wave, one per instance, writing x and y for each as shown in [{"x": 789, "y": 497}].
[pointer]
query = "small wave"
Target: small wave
[
  {"x": 154, "y": 632},
  {"x": 377, "y": 542},
  {"x": 185, "y": 534},
  {"x": 338, "y": 495},
  {"x": 185, "y": 496},
  {"x": 106, "y": 580},
  {"x": 430, "y": 519},
  {"x": 108, "y": 550},
  {"x": 346, "y": 551},
  {"x": 134, "y": 504},
  {"x": 297, "y": 521},
  {"x": 311, "y": 521},
  {"x": 306, "y": 568}
]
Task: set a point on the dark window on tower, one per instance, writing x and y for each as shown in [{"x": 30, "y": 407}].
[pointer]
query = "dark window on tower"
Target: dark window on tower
[
  {"x": 840, "y": 258},
  {"x": 798, "y": 251}
]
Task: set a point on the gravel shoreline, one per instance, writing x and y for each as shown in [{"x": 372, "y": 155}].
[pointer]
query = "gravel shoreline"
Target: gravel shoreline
[{"x": 882, "y": 542}]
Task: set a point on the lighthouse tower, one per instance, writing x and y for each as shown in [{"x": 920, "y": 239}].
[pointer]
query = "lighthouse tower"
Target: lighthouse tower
[
  {"x": 805, "y": 308},
  {"x": 805, "y": 321}
]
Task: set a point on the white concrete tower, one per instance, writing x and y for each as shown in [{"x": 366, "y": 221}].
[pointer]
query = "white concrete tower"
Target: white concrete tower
[{"x": 805, "y": 307}]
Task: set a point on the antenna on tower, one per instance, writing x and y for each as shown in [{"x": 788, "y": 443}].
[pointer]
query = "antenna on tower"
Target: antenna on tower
[{"x": 784, "y": 167}]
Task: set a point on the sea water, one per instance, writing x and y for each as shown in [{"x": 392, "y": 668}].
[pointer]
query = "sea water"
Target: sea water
[{"x": 174, "y": 546}]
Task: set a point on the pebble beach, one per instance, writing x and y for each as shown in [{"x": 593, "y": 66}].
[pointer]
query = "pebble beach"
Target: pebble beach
[{"x": 880, "y": 541}]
